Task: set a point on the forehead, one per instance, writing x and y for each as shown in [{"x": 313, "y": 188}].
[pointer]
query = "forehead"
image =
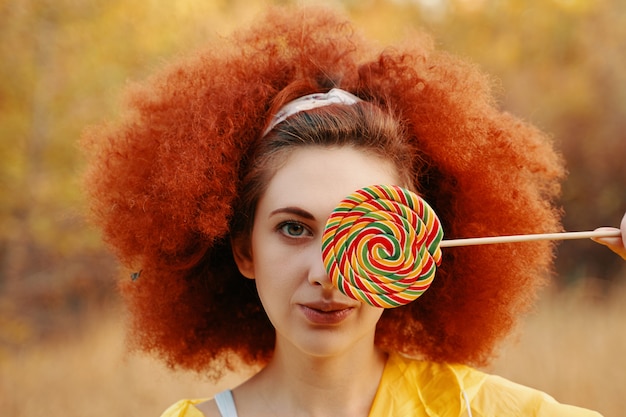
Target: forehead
[{"x": 318, "y": 178}]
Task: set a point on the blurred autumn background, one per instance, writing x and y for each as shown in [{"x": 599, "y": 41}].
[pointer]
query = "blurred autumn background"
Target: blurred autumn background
[{"x": 63, "y": 65}]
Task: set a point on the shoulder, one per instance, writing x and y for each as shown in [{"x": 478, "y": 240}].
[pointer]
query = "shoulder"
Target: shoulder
[
  {"x": 509, "y": 398},
  {"x": 189, "y": 408},
  {"x": 462, "y": 387},
  {"x": 421, "y": 373}
]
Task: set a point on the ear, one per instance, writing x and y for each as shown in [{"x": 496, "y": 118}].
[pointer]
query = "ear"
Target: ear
[{"x": 242, "y": 252}]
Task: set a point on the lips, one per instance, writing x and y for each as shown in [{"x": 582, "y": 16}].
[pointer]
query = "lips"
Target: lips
[{"x": 326, "y": 313}]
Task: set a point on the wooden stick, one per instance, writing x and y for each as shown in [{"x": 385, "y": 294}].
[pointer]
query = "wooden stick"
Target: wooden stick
[{"x": 528, "y": 238}]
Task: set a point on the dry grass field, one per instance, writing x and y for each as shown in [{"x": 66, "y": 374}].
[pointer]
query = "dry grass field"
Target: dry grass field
[{"x": 573, "y": 346}]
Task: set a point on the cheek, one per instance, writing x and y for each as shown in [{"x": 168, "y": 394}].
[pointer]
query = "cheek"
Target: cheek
[
  {"x": 274, "y": 267},
  {"x": 275, "y": 257},
  {"x": 372, "y": 314}
]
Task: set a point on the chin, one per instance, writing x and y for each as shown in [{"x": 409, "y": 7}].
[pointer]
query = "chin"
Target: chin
[{"x": 329, "y": 343}]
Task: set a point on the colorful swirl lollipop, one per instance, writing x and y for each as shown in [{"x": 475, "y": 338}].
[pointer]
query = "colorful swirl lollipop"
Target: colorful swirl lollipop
[{"x": 381, "y": 246}]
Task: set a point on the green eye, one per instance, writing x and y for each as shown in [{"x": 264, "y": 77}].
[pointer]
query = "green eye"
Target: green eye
[{"x": 293, "y": 229}]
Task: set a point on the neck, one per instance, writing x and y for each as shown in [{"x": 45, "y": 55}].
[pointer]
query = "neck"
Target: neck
[{"x": 294, "y": 383}]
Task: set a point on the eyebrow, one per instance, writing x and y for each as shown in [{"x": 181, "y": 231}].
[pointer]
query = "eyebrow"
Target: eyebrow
[{"x": 295, "y": 211}]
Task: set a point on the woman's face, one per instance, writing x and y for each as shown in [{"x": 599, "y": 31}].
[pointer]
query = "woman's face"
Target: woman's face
[{"x": 284, "y": 255}]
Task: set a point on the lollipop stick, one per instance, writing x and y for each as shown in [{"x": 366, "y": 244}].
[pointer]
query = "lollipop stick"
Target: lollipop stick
[{"x": 528, "y": 238}]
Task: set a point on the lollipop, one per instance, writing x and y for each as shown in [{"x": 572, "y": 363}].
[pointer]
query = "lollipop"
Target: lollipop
[{"x": 381, "y": 246}]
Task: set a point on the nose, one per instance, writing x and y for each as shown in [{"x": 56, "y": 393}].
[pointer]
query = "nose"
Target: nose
[{"x": 317, "y": 271}]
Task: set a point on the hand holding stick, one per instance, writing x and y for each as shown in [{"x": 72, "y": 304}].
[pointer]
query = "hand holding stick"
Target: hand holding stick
[{"x": 616, "y": 243}]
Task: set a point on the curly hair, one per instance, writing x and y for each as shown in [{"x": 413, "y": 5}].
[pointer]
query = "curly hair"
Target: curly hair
[{"x": 164, "y": 184}]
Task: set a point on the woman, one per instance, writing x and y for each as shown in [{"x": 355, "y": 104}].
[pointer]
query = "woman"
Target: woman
[{"x": 216, "y": 188}]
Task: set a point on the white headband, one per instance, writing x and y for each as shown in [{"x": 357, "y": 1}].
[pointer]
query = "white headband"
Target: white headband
[{"x": 311, "y": 101}]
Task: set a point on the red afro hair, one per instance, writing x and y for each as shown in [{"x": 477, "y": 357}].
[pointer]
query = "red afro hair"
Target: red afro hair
[{"x": 163, "y": 181}]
